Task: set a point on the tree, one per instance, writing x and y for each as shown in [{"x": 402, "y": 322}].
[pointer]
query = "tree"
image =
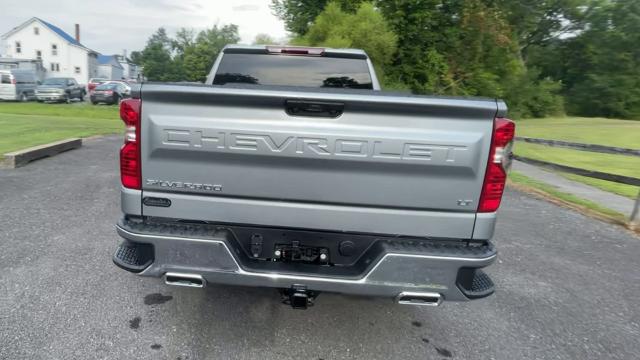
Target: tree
[
  {"x": 136, "y": 57},
  {"x": 199, "y": 58},
  {"x": 425, "y": 29},
  {"x": 456, "y": 47},
  {"x": 183, "y": 40},
  {"x": 601, "y": 66},
  {"x": 365, "y": 29},
  {"x": 298, "y": 15},
  {"x": 160, "y": 37},
  {"x": 156, "y": 58},
  {"x": 185, "y": 57},
  {"x": 540, "y": 22},
  {"x": 264, "y": 39}
]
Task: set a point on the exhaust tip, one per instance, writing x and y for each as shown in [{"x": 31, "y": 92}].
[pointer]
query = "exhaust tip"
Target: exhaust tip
[
  {"x": 188, "y": 280},
  {"x": 419, "y": 298}
]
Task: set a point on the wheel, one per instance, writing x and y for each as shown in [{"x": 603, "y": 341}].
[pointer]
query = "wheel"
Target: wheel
[
  {"x": 82, "y": 94},
  {"x": 116, "y": 100},
  {"x": 94, "y": 102},
  {"x": 67, "y": 99},
  {"x": 23, "y": 97}
]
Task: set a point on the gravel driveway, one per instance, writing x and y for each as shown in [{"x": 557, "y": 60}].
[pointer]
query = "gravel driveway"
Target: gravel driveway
[{"x": 568, "y": 288}]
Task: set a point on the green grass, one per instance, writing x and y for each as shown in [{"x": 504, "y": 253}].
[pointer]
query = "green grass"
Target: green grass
[
  {"x": 610, "y": 132},
  {"x": 84, "y": 110},
  {"x": 614, "y": 164},
  {"x": 609, "y": 163},
  {"x": 621, "y": 189},
  {"x": 24, "y": 125},
  {"x": 552, "y": 191}
]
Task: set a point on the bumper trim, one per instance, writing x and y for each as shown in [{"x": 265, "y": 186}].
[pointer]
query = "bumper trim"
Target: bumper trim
[
  {"x": 393, "y": 274},
  {"x": 140, "y": 237}
]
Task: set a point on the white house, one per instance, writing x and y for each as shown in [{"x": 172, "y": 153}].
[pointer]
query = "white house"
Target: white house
[
  {"x": 131, "y": 70},
  {"x": 110, "y": 68},
  {"x": 62, "y": 55}
]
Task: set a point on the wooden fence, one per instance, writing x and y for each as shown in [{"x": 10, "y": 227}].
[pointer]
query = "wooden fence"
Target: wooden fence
[
  {"x": 634, "y": 219},
  {"x": 581, "y": 147}
]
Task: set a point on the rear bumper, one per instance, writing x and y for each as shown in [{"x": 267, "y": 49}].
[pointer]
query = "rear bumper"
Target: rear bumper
[
  {"x": 206, "y": 251},
  {"x": 51, "y": 97},
  {"x": 106, "y": 99}
]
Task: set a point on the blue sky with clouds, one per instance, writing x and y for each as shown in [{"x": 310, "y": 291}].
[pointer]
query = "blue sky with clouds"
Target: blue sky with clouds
[{"x": 110, "y": 26}]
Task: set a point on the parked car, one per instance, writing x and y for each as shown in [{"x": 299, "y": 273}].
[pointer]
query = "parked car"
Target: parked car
[
  {"x": 93, "y": 82},
  {"x": 126, "y": 84},
  {"x": 291, "y": 169},
  {"x": 60, "y": 89},
  {"x": 110, "y": 93},
  {"x": 18, "y": 84}
]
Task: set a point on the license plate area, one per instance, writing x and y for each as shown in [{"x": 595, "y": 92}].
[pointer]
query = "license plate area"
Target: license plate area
[{"x": 295, "y": 252}]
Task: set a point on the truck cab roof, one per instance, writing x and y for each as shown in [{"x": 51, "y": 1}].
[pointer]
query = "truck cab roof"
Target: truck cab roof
[{"x": 265, "y": 48}]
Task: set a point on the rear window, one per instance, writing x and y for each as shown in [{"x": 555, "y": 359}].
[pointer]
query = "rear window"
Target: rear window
[
  {"x": 110, "y": 86},
  {"x": 308, "y": 71},
  {"x": 6, "y": 79},
  {"x": 24, "y": 79},
  {"x": 55, "y": 81}
]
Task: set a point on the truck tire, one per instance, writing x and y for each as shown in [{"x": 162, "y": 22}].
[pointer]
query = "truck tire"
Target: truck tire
[{"x": 23, "y": 97}]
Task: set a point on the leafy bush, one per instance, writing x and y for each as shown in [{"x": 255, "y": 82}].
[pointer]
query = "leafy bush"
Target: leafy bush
[
  {"x": 528, "y": 96},
  {"x": 365, "y": 29}
]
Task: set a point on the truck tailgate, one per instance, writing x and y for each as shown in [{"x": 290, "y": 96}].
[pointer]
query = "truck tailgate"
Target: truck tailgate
[{"x": 387, "y": 163}]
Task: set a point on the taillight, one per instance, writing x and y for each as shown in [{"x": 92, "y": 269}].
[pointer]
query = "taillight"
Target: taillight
[
  {"x": 13, "y": 80},
  {"x": 295, "y": 50},
  {"x": 130, "y": 172},
  {"x": 498, "y": 164}
]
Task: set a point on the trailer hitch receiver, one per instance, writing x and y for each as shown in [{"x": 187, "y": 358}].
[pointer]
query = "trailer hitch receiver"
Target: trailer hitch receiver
[{"x": 298, "y": 297}]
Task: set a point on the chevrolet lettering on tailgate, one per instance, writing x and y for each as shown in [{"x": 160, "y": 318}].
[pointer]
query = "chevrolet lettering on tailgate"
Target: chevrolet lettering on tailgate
[{"x": 217, "y": 140}]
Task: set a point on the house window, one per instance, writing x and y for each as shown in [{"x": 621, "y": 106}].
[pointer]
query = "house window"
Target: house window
[
  {"x": 18, "y": 47},
  {"x": 54, "y": 49},
  {"x": 55, "y": 67},
  {"x": 38, "y": 54},
  {"x": 77, "y": 69},
  {"x": 36, "y": 30}
]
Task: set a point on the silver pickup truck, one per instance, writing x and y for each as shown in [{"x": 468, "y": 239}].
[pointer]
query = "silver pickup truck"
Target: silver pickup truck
[{"x": 290, "y": 169}]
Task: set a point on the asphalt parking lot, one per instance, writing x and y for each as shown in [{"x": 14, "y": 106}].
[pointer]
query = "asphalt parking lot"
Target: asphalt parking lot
[{"x": 568, "y": 288}]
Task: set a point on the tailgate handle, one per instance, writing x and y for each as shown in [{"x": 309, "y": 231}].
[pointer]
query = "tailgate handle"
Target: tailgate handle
[{"x": 313, "y": 108}]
